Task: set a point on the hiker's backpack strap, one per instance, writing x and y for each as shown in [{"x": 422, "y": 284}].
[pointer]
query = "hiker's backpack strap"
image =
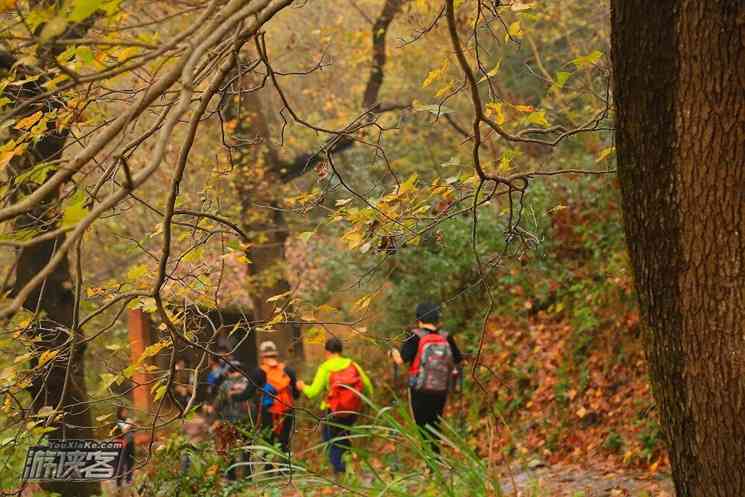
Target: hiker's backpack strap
[{"x": 419, "y": 332}]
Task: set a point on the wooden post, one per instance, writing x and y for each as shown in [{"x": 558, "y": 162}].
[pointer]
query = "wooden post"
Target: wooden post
[{"x": 138, "y": 325}]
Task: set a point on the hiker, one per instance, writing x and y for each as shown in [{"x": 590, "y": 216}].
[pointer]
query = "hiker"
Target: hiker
[
  {"x": 433, "y": 357},
  {"x": 216, "y": 374},
  {"x": 182, "y": 382},
  {"x": 123, "y": 430},
  {"x": 343, "y": 380},
  {"x": 230, "y": 413},
  {"x": 274, "y": 387}
]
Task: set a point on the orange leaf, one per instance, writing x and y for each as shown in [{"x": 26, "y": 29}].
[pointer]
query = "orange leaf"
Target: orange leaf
[{"x": 29, "y": 121}]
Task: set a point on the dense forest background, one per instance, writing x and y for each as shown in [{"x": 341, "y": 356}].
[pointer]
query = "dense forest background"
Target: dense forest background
[{"x": 228, "y": 172}]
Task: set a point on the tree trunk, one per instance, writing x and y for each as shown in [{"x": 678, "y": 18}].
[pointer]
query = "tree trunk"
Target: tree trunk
[
  {"x": 56, "y": 300},
  {"x": 55, "y": 297},
  {"x": 679, "y": 69},
  {"x": 257, "y": 184}
]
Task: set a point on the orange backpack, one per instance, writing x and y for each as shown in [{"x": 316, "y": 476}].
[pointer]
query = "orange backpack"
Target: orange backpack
[{"x": 278, "y": 398}]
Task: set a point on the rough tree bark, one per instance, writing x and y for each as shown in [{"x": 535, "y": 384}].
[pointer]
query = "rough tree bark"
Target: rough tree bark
[
  {"x": 55, "y": 299},
  {"x": 256, "y": 184},
  {"x": 679, "y": 69}
]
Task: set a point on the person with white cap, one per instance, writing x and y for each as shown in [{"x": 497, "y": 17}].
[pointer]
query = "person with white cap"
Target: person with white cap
[{"x": 273, "y": 386}]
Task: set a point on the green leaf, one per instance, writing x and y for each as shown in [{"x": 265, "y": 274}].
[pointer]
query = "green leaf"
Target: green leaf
[
  {"x": 75, "y": 211},
  {"x": 83, "y": 9},
  {"x": 54, "y": 27},
  {"x": 561, "y": 79},
  {"x": 85, "y": 54},
  {"x": 136, "y": 273},
  {"x": 160, "y": 392},
  {"x": 587, "y": 60},
  {"x": 36, "y": 174}
]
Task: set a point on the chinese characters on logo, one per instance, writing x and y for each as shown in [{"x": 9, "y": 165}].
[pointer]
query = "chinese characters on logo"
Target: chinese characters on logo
[{"x": 72, "y": 460}]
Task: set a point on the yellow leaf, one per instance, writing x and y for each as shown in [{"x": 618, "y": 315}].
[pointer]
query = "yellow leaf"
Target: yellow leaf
[
  {"x": 7, "y": 5},
  {"x": 23, "y": 357},
  {"x": 136, "y": 273},
  {"x": 605, "y": 153},
  {"x": 326, "y": 309},
  {"x": 277, "y": 297},
  {"x": 362, "y": 303},
  {"x": 47, "y": 356},
  {"x": 29, "y": 121},
  {"x": 524, "y": 108},
  {"x": 75, "y": 211},
  {"x": 495, "y": 108},
  {"x": 538, "y": 118},
  {"x": 435, "y": 74},
  {"x": 492, "y": 72},
  {"x": 5, "y": 157},
  {"x": 408, "y": 185},
  {"x": 515, "y": 31},
  {"x": 314, "y": 335},
  {"x": 587, "y": 60},
  {"x": 160, "y": 391},
  {"x": 518, "y": 6}
]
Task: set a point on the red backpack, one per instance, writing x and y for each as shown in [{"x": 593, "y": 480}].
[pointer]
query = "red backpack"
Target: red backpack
[
  {"x": 345, "y": 387},
  {"x": 432, "y": 368}
]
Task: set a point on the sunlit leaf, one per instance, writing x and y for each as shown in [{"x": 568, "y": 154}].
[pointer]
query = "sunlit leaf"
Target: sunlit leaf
[
  {"x": 587, "y": 60},
  {"x": 605, "y": 153},
  {"x": 538, "y": 118},
  {"x": 136, "y": 273},
  {"x": 495, "y": 109},
  {"x": 75, "y": 210},
  {"x": 82, "y": 9},
  {"x": 29, "y": 121}
]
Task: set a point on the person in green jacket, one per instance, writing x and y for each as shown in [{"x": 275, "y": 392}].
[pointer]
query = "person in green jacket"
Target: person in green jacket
[{"x": 343, "y": 380}]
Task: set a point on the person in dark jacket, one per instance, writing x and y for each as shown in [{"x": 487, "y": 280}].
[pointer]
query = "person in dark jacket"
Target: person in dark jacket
[
  {"x": 232, "y": 413},
  {"x": 426, "y": 407},
  {"x": 124, "y": 430},
  {"x": 273, "y": 387}
]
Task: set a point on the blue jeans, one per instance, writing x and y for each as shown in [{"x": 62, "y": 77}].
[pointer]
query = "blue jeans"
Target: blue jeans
[{"x": 334, "y": 429}]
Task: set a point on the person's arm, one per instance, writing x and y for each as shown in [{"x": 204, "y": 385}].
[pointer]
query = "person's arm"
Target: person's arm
[
  {"x": 293, "y": 381},
  {"x": 409, "y": 348},
  {"x": 457, "y": 356},
  {"x": 366, "y": 383},
  {"x": 320, "y": 381},
  {"x": 256, "y": 380}
]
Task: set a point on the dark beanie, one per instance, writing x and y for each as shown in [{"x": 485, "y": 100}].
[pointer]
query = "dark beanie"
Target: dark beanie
[{"x": 427, "y": 312}]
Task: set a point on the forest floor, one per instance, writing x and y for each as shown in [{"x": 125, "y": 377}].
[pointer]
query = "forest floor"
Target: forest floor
[{"x": 578, "y": 481}]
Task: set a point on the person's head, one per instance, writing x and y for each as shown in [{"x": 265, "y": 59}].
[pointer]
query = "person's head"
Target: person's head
[
  {"x": 234, "y": 369},
  {"x": 268, "y": 350},
  {"x": 428, "y": 313},
  {"x": 122, "y": 412},
  {"x": 333, "y": 347}
]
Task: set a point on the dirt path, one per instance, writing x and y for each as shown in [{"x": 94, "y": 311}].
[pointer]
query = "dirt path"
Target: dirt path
[{"x": 576, "y": 481}]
